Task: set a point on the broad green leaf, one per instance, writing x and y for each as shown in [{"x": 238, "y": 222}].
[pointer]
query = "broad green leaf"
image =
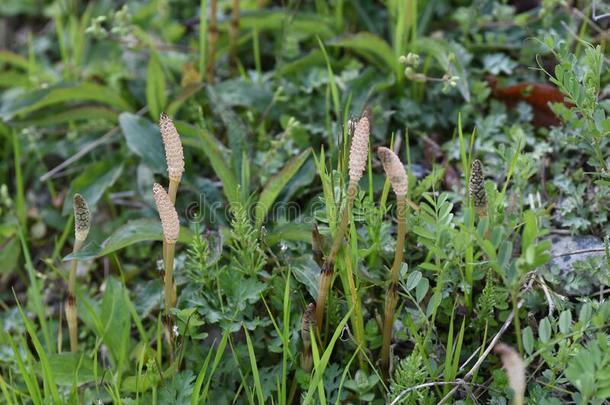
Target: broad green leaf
[
  {"x": 14, "y": 79},
  {"x": 413, "y": 280},
  {"x": 93, "y": 182},
  {"x": 586, "y": 311},
  {"x": 544, "y": 331},
  {"x": 289, "y": 231},
  {"x": 530, "y": 230},
  {"x": 9, "y": 254},
  {"x": 70, "y": 367},
  {"x": 307, "y": 272},
  {"x": 528, "y": 340},
  {"x": 71, "y": 115},
  {"x": 60, "y": 93},
  {"x": 276, "y": 184},
  {"x": 373, "y": 48},
  {"x": 238, "y": 134},
  {"x": 139, "y": 230},
  {"x": 303, "y": 64},
  {"x": 144, "y": 139},
  {"x": 155, "y": 86},
  {"x": 565, "y": 322},
  {"x": 115, "y": 319},
  {"x": 241, "y": 92},
  {"x": 13, "y": 59},
  {"x": 139, "y": 384},
  {"x": 210, "y": 147},
  {"x": 422, "y": 289},
  {"x": 275, "y": 20}
]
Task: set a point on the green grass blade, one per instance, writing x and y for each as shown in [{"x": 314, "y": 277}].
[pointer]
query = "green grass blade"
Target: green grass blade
[
  {"x": 285, "y": 341},
  {"x": 276, "y": 184},
  {"x": 47, "y": 373},
  {"x": 218, "y": 162},
  {"x": 331, "y": 79},
  {"x": 254, "y": 367},
  {"x": 27, "y": 375},
  {"x": 155, "y": 86},
  {"x": 321, "y": 366},
  {"x": 219, "y": 353},
  {"x": 200, "y": 378}
]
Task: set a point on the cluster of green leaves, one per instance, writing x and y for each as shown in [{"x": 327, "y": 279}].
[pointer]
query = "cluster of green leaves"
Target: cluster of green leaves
[{"x": 579, "y": 79}]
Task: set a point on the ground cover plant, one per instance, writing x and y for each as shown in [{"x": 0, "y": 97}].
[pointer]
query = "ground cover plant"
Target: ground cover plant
[{"x": 400, "y": 202}]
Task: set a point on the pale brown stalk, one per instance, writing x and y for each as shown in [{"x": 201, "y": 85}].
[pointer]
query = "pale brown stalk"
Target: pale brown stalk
[
  {"x": 328, "y": 266},
  {"x": 171, "y": 230},
  {"x": 515, "y": 370},
  {"x": 308, "y": 326},
  {"x": 357, "y": 162},
  {"x": 234, "y": 34},
  {"x": 212, "y": 40},
  {"x": 395, "y": 172}
]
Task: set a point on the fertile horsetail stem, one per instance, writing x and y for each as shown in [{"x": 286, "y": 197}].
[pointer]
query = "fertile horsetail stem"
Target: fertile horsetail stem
[
  {"x": 174, "y": 155},
  {"x": 395, "y": 172},
  {"x": 477, "y": 187},
  {"x": 82, "y": 224},
  {"x": 171, "y": 229},
  {"x": 308, "y": 325},
  {"x": 358, "y": 157},
  {"x": 515, "y": 370}
]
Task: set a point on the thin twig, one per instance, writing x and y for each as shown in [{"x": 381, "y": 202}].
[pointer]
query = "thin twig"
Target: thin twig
[
  {"x": 575, "y": 36},
  {"x": 430, "y": 384},
  {"x": 547, "y": 294},
  {"x": 212, "y": 40},
  {"x": 490, "y": 347},
  {"x": 234, "y": 34},
  {"x": 580, "y": 252},
  {"x": 576, "y": 12}
]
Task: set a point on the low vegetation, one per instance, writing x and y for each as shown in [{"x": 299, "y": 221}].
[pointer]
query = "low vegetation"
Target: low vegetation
[{"x": 304, "y": 202}]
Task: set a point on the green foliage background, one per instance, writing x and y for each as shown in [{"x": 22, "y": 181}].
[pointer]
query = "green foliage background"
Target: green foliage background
[{"x": 266, "y": 136}]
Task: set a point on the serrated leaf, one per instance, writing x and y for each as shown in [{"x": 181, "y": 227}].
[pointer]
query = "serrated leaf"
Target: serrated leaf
[{"x": 276, "y": 184}]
